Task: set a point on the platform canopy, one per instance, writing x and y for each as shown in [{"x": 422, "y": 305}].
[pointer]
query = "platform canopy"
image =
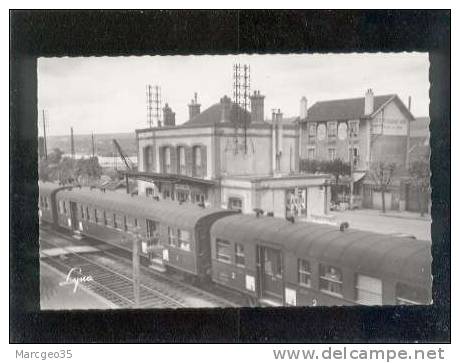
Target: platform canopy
[{"x": 167, "y": 178}]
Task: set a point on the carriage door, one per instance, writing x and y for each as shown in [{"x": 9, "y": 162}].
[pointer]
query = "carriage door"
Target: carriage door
[
  {"x": 271, "y": 273},
  {"x": 152, "y": 238},
  {"x": 74, "y": 215}
]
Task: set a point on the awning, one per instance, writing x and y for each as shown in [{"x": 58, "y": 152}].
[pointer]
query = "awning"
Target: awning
[
  {"x": 169, "y": 178},
  {"x": 357, "y": 176}
]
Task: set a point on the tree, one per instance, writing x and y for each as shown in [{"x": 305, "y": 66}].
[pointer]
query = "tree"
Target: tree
[
  {"x": 382, "y": 174},
  {"x": 337, "y": 168},
  {"x": 420, "y": 173}
]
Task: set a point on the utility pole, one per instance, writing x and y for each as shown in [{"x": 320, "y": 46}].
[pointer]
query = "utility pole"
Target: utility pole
[
  {"x": 44, "y": 135},
  {"x": 72, "y": 144},
  {"x": 409, "y": 104},
  {"x": 92, "y": 143},
  {"x": 136, "y": 268}
]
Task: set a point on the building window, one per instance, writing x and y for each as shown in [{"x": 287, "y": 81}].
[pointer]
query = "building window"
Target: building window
[
  {"x": 353, "y": 127},
  {"x": 311, "y": 153},
  {"x": 167, "y": 160},
  {"x": 330, "y": 280},
  {"x": 304, "y": 270},
  {"x": 332, "y": 131},
  {"x": 353, "y": 155},
  {"x": 115, "y": 224},
  {"x": 223, "y": 251},
  {"x": 182, "y": 165},
  {"x": 332, "y": 153},
  {"x": 411, "y": 295},
  {"x": 125, "y": 223},
  {"x": 87, "y": 214},
  {"x": 197, "y": 161},
  {"x": 64, "y": 207},
  {"x": 105, "y": 218},
  {"x": 312, "y": 132},
  {"x": 184, "y": 239},
  {"x": 96, "y": 217},
  {"x": 235, "y": 203},
  {"x": 368, "y": 290},
  {"x": 172, "y": 238},
  {"x": 149, "y": 192},
  {"x": 82, "y": 212},
  {"x": 239, "y": 255},
  {"x": 148, "y": 158}
]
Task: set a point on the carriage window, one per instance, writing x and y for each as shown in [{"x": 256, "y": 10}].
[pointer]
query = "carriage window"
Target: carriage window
[
  {"x": 272, "y": 262},
  {"x": 172, "y": 239},
  {"x": 239, "y": 254},
  {"x": 223, "y": 250},
  {"x": 184, "y": 239},
  {"x": 304, "y": 270},
  {"x": 410, "y": 295},
  {"x": 368, "y": 290},
  {"x": 330, "y": 279}
]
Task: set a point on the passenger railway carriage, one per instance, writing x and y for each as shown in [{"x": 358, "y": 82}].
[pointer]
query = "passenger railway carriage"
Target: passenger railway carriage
[
  {"x": 277, "y": 262},
  {"x": 172, "y": 234},
  {"x": 270, "y": 260},
  {"x": 47, "y": 201}
]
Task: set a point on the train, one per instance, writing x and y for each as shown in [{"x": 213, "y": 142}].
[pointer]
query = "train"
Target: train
[{"x": 271, "y": 261}]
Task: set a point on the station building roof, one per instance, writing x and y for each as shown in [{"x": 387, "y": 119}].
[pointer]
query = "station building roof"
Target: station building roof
[{"x": 366, "y": 252}]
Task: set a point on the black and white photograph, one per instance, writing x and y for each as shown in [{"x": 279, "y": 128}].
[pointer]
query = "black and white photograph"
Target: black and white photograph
[
  {"x": 256, "y": 178},
  {"x": 234, "y": 181}
]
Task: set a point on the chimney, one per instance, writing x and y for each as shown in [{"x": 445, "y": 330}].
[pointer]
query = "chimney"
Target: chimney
[
  {"x": 277, "y": 140},
  {"x": 194, "y": 107},
  {"x": 303, "y": 108},
  {"x": 369, "y": 102},
  {"x": 169, "y": 117},
  {"x": 226, "y": 109},
  {"x": 257, "y": 107}
]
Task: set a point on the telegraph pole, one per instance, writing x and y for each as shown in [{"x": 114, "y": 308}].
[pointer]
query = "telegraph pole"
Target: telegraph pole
[
  {"x": 92, "y": 143},
  {"x": 44, "y": 136},
  {"x": 136, "y": 268},
  {"x": 352, "y": 163}
]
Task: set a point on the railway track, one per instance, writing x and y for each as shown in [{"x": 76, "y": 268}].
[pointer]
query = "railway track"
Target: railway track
[
  {"x": 175, "y": 292},
  {"x": 112, "y": 285}
]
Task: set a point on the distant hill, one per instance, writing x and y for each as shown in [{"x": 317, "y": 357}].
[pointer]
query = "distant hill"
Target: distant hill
[{"x": 103, "y": 142}]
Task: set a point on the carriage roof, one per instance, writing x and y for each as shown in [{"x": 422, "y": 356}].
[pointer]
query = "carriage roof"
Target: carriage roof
[
  {"x": 365, "y": 252},
  {"x": 169, "y": 212}
]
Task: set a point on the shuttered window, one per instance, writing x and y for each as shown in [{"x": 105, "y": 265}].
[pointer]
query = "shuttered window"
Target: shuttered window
[
  {"x": 223, "y": 251},
  {"x": 239, "y": 254},
  {"x": 172, "y": 238},
  {"x": 184, "y": 239},
  {"x": 304, "y": 272},
  {"x": 368, "y": 290}
]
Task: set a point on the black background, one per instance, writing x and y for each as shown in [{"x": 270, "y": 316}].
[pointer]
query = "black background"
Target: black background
[{"x": 84, "y": 33}]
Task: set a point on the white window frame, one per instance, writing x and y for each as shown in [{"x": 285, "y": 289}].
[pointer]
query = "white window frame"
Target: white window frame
[{"x": 302, "y": 272}]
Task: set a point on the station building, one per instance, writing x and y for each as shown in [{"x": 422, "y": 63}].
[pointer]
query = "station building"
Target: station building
[
  {"x": 231, "y": 158},
  {"x": 361, "y": 131}
]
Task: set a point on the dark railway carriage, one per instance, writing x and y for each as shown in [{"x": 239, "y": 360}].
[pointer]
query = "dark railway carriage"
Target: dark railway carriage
[
  {"x": 47, "y": 210},
  {"x": 280, "y": 263},
  {"x": 172, "y": 234}
]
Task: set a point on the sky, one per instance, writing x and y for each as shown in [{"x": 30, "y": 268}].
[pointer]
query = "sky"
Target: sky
[{"x": 108, "y": 94}]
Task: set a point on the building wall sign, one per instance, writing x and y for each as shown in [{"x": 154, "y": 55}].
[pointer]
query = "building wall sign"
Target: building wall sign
[
  {"x": 342, "y": 131},
  {"x": 389, "y": 127},
  {"x": 321, "y": 132}
]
